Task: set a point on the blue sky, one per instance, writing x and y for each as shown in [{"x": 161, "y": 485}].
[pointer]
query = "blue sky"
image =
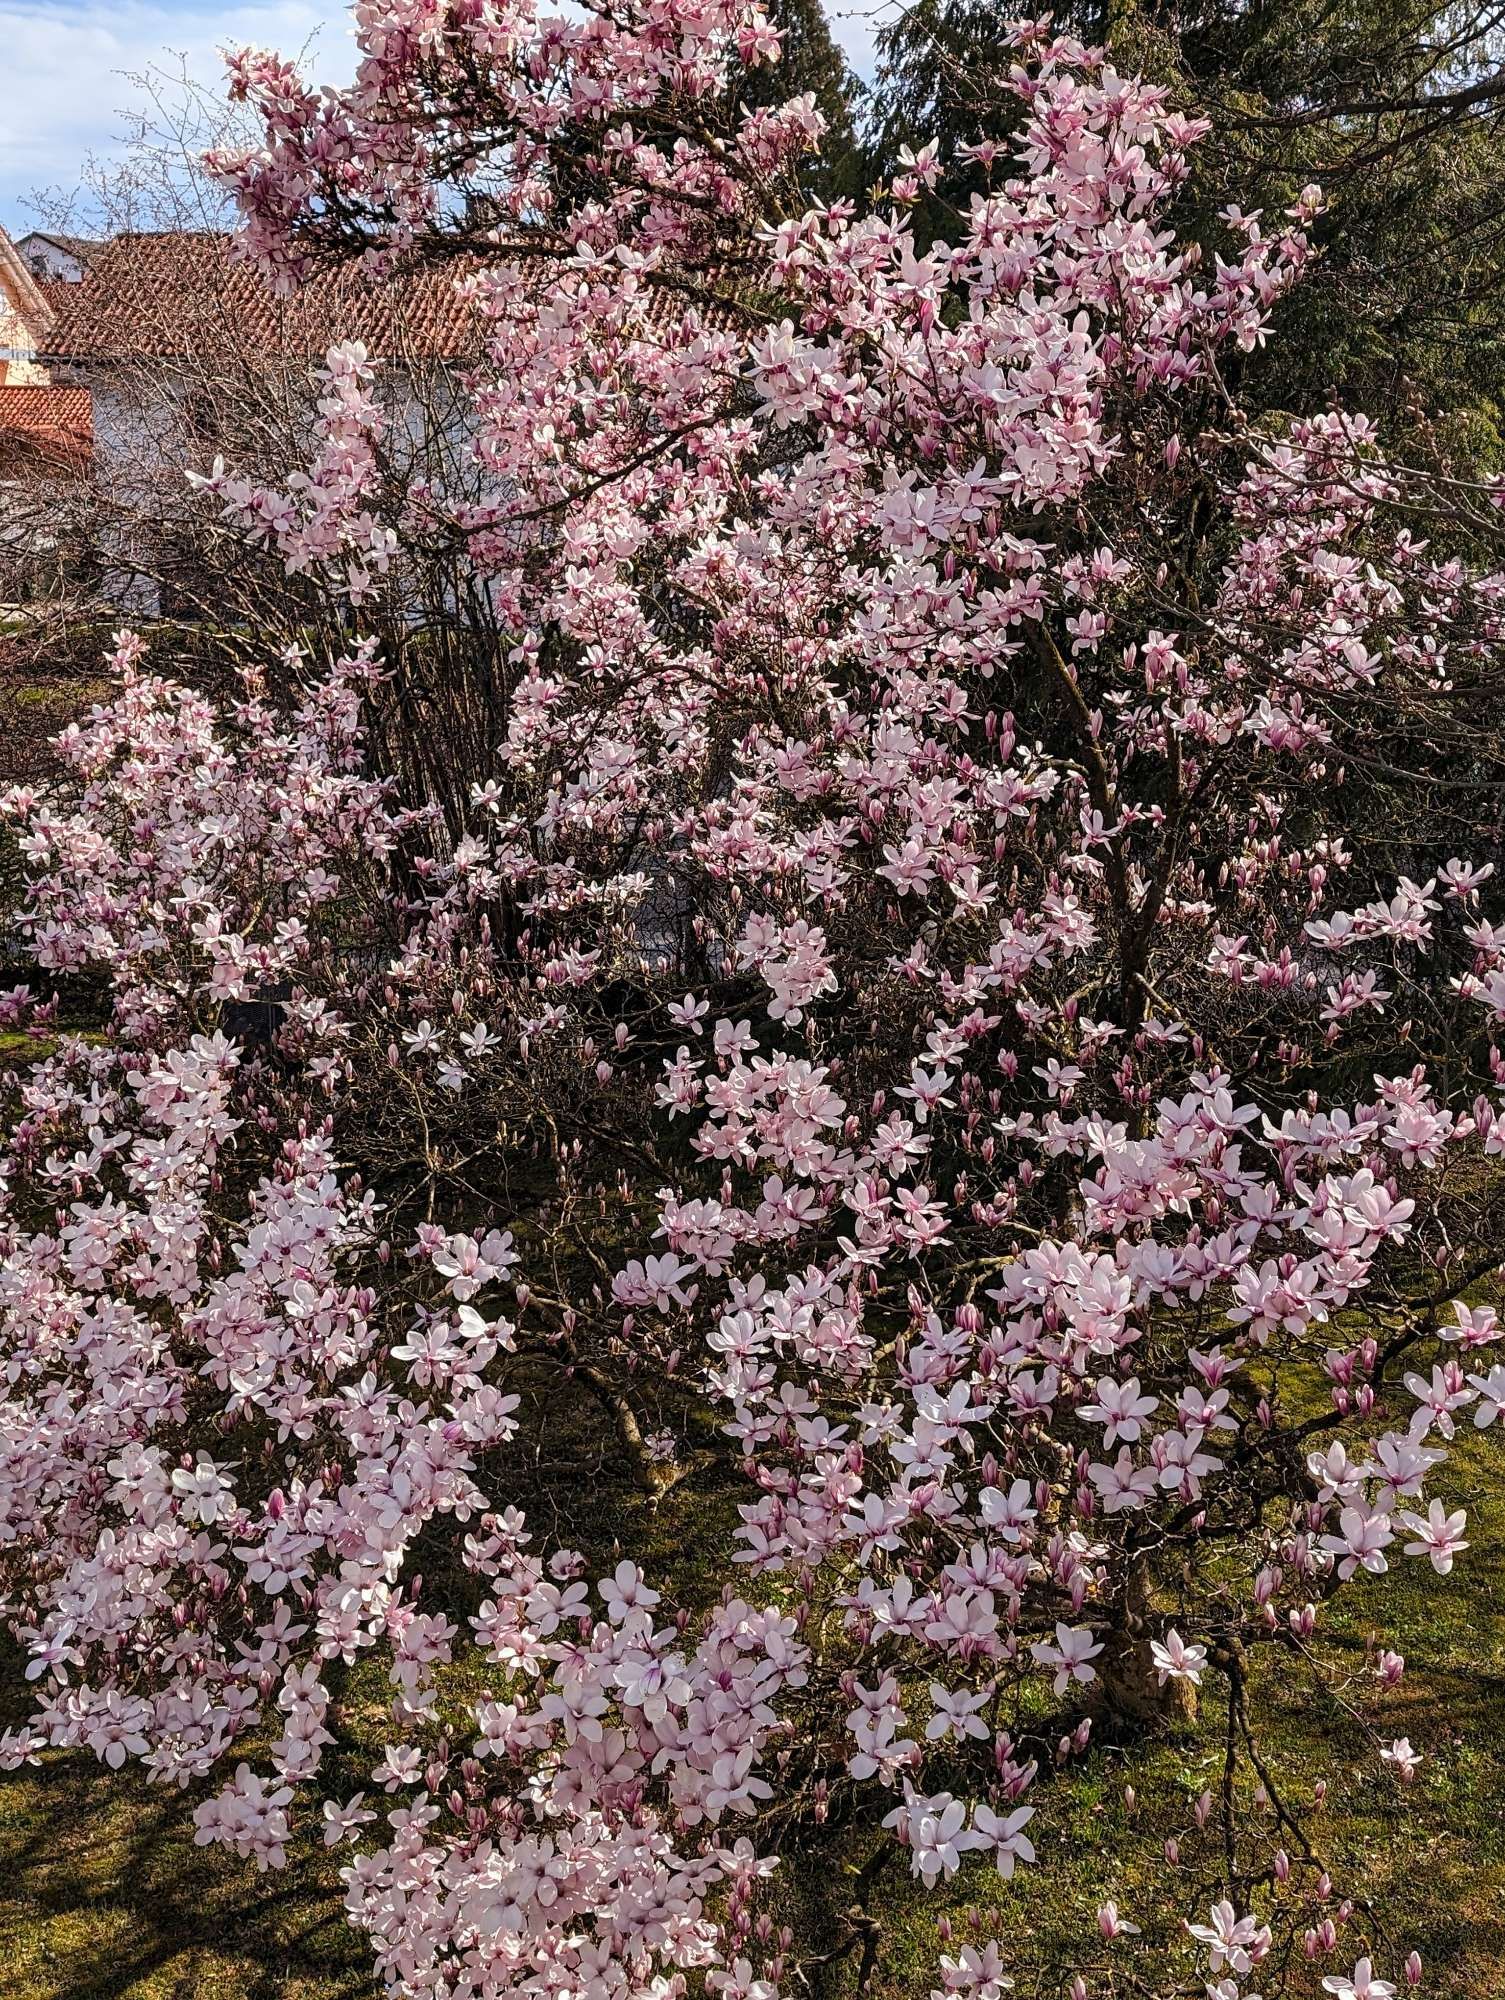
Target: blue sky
[{"x": 65, "y": 69}]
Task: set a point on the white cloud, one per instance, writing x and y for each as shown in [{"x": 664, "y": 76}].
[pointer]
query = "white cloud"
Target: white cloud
[
  {"x": 65, "y": 91},
  {"x": 66, "y": 65}
]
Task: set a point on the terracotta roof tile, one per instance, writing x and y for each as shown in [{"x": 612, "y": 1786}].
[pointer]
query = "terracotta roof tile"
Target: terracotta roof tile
[
  {"x": 154, "y": 297},
  {"x": 82, "y": 247},
  {"x": 50, "y": 423}
]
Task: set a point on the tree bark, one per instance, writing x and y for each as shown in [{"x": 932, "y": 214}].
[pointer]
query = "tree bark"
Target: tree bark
[{"x": 1129, "y": 1686}]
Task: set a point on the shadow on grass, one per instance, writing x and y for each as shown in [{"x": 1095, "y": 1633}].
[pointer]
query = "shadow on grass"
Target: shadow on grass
[{"x": 103, "y": 1896}]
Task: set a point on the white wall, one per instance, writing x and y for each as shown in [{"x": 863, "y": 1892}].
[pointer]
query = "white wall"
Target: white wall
[{"x": 49, "y": 259}]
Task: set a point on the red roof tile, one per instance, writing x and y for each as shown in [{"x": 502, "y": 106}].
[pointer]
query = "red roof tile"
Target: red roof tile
[
  {"x": 50, "y": 423},
  {"x": 156, "y": 297}
]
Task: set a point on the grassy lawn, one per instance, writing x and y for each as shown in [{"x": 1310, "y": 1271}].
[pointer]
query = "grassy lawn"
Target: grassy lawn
[
  {"x": 105, "y": 1897},
  {"x": 35, "y": 709},
  {"x": 103, "y": 1894}
]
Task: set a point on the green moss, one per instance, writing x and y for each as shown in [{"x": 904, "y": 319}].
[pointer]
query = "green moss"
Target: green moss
[
  {"x": 1428, "y": 1859},
  {"x": 103, "y": 1895}
]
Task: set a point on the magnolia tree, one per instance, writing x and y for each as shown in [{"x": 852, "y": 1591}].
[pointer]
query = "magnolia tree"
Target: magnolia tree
[{"x": 908, "y": 1027}]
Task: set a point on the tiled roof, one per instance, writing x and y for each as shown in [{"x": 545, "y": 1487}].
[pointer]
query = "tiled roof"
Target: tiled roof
[
  {"x": 82, "y": 247},
  {"x": 155, "y": 297},
  {"x": 49, "y": 423}
]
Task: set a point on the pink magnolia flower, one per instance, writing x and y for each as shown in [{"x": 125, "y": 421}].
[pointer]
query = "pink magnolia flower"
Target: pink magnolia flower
[
  {"x": 1070, "y": 1654},
  {"x": 1176, "y": 1660},
  {"x": 1361, "y": 1984}
]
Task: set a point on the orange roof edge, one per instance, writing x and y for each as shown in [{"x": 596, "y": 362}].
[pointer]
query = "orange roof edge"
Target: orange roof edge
[{"x": 53, "y": 422}]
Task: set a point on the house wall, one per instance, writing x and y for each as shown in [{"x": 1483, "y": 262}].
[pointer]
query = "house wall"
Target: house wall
[
  {"x": 135, "y": 467},
  {"x": 144, "y": 437},
  {"x": 19, "y": 368},
  {"x": 50, "y": 260}
]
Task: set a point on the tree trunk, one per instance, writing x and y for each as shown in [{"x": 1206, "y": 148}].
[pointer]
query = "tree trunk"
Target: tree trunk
[{"x": 1129, "y": 1686}]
